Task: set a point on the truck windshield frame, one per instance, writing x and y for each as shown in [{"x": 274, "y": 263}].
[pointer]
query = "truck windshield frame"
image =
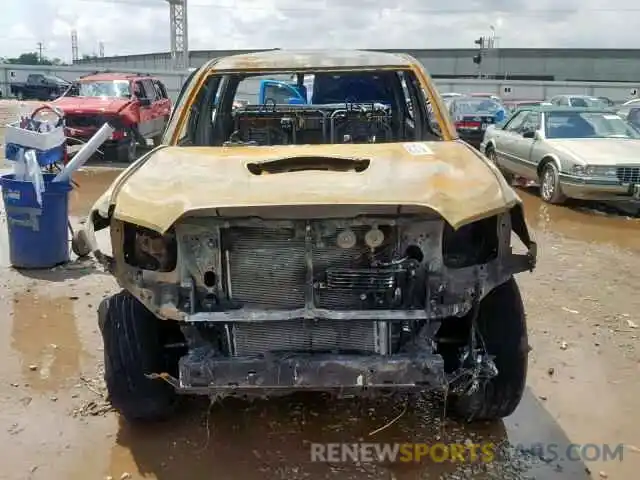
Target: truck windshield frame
[{"x": 211, "y": 117}]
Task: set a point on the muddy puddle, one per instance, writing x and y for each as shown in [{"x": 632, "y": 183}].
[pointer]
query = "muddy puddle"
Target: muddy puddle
[
  {"x": 583, "y": 221},
  {"x": 272, "y": 439},
  {"x": 90, "y": 183},
  {"x": 45, "y": 338}
]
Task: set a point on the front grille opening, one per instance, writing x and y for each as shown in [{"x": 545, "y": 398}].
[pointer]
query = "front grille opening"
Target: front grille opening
[{"x": 628, "y": 174}]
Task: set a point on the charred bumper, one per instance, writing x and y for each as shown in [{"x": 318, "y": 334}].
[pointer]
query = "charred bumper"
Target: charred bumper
[{"x": 205, "y": 373}]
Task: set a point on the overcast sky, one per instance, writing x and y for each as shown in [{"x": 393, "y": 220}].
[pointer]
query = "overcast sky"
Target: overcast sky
[{"x": 142, "y": 26}]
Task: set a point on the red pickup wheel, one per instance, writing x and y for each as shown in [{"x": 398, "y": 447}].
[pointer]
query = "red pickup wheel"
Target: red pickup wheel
[{"x": 122, "y": 152}]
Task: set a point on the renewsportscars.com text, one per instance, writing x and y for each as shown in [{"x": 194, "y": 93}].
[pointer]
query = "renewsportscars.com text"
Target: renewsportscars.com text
[{"x": 459, "y": 452}]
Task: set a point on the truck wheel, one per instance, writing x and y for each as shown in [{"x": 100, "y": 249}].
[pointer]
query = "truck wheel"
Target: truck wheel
[
  {"x": 122, "y": 153},
  {"x": 502, "y": 324},
  {"x": 132, "y": 349},
  {"x": 157, "y": 140},
  {"x": 127, "y": 153},
  {"x": 20, "y": 96}
]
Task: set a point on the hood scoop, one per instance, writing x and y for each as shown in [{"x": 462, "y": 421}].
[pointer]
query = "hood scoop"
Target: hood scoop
[{"x": 300, "y": 164}]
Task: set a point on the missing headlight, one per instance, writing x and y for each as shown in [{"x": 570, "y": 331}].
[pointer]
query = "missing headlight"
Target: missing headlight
[
  {"x": 149, "y": 250},
  {"x": 472, "y": 244}
]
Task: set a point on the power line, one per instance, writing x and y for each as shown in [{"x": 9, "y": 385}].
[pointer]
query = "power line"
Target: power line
[{"x": 433, "y": 11}]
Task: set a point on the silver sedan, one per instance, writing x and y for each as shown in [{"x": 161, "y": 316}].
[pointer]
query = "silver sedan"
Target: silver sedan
[{"x": 585, "y": 153}]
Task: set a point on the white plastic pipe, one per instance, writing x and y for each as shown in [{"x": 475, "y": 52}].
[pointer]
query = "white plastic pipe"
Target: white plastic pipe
[{"x": 85, "y": 152}]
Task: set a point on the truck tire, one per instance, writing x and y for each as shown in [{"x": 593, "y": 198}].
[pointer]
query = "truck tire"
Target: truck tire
[
  {"x": 128, "y": 154},
  {"x": 122, "y": 153},
  {"x": 502, "y": 324},
  {"x": 132, "y": 349}
]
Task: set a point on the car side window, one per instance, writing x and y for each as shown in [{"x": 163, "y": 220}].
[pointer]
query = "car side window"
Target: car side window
[
  {"x": 161, "y": 92},
  {"x": 149, "y": 89},
  {"x": 138, "y": 90},
  {"x": 531, "y": 122},
  {"x": 516, "y": 122}
]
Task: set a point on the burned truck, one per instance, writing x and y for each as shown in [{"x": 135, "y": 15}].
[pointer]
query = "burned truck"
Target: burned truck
[{"x": 354, "y": 246}]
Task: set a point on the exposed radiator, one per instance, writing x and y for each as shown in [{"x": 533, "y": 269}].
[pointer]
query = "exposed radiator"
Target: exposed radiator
[
  {"x": 301, "y": 335},
  {"x": 268, "y": 267}
]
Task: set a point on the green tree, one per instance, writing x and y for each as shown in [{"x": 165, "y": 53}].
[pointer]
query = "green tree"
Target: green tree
[{"x": 32, "y": 58}]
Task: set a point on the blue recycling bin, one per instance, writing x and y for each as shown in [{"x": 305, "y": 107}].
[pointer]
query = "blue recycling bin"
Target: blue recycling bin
[{"x": 38, "y": 234}]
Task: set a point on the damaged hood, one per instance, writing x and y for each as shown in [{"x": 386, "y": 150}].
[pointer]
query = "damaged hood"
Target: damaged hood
[
  {"x": 447, "y": 177},
  {"x": 90, "y": 104}
]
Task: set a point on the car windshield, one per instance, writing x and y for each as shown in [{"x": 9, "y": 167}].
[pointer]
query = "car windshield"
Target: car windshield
[
  {"x": 54, "y": 79},
  {"x": 476, "y": 105},
  {"x": 111, "y": 88},
  {"x": 588, "y": 125},
  {"x": 355, "y": 106}
]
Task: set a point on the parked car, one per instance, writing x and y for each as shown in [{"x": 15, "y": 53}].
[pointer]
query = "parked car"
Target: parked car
[
  {"x": 631, "y": 113},
  {"x": 447, "y": 95},
  {"x": 136, "y": 105},
  {"x": 367, "y": 255},
  {"x": 586, "y": 153},
  {"x": 582, "y": 101},
  {"x": 513, "y": 105},
  {"x": 472, "y": 116},
  {"x": 633, "y": 101},
  {"x": 359, "y": 90},
  {"x": 39, "y": 87},
  {"x": 607, "y": 101},
  {"x": 486, "y": 95}
]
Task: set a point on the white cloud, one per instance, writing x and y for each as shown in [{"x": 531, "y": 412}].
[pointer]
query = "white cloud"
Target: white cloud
[{"x": 142, "y": 26}]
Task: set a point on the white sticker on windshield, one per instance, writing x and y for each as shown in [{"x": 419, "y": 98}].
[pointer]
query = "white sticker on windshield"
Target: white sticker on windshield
[
  {"x": 417, "y": 148},
  {"x": 611, "y": 117}
]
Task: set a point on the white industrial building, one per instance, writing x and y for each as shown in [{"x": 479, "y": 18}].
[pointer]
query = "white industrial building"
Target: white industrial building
[{"x": 587, "y": 65}]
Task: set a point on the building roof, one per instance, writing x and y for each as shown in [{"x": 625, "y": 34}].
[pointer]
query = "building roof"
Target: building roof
[{"x": 309, "y": 59}]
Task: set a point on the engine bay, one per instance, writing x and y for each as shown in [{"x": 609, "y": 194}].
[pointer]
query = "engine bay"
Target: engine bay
[{"x": 272, "y": 124}]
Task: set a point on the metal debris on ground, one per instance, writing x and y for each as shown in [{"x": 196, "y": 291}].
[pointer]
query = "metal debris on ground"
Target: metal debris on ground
[{"x": 93, "y": 409}]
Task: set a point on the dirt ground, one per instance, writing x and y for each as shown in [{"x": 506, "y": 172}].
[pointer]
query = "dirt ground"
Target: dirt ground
[{"x": 583, "y": 312}]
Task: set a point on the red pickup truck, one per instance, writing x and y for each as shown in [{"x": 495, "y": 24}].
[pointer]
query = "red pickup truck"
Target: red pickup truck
[{"x": 136, "y": 105}]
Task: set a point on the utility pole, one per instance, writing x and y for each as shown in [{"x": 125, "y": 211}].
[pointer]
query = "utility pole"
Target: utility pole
[
  {"x": 74, "y": 46},
  {"x": 477, "y": 59},
  {"x": 179, "y": 34},
  {"x": 40, "y": 49},
  {"x": 101, "y": 49}
]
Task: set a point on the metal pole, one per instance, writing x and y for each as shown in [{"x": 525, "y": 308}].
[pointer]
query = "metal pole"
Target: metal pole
[{"x": 179, "y": 33}]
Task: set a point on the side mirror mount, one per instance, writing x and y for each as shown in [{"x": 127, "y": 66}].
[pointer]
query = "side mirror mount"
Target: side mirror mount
[
  {"x": 144, "y": 102},
  {"x": 530, "y": 134}
]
